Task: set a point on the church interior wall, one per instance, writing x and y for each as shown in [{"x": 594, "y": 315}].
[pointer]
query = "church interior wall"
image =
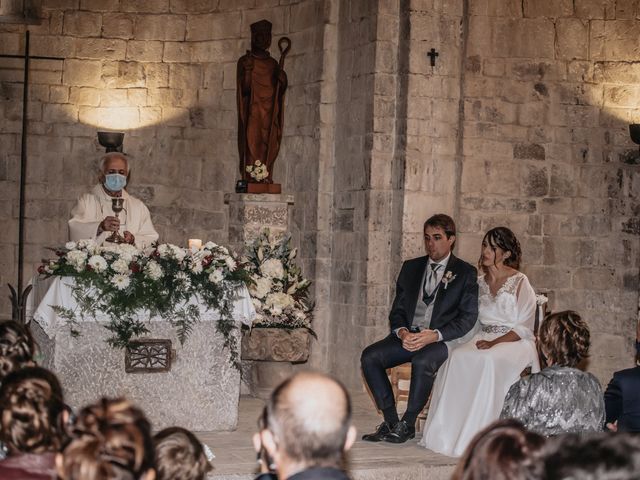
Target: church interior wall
[{"x": 523, "y": 122}]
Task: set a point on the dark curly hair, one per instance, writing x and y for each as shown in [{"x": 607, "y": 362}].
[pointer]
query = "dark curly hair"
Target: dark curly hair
[
  {"x": 564, "y": 339},
  {"x": 505, "y": 239},
  {"x": 501, "y": 451},
  {"x": 111, "y": 439},
  {"x": 32, "y": 411},
  {"x": 17, "y": 347}
]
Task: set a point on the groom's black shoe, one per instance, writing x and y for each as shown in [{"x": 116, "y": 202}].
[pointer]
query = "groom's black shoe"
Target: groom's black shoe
[
  {"x": 381, "y": 432},
  {"x": 400, "y": 433}
]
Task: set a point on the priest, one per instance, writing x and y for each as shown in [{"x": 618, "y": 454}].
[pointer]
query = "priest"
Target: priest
[{"x": 93, "y": 216}]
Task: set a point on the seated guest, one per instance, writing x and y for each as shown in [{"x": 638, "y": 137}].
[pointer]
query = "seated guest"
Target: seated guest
[
  {"x": 561, "y": 398},
  {"x": 308, "y": 428},
  {"x": 598, "y": 456},
  {"x": 93, "y": 217},
  {"x": 16, "y": 347},
  {"x": 179, "y": 454},
  {"x": 110, "y": 439},
  {"x": 32, "y": 423},
  {"x": 501, "y": 451},
  {"x": 622, "y": 397}
]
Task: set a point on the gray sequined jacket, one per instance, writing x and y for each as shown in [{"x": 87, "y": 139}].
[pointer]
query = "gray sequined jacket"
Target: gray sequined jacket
[{"x": 557, "y": 400}]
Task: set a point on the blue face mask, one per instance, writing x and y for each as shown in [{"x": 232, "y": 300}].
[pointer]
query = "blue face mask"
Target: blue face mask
[{"x": 114, "y": 182}]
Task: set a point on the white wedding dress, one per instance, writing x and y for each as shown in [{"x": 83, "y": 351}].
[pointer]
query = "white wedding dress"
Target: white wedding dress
[{"x": 471, "y": 385}]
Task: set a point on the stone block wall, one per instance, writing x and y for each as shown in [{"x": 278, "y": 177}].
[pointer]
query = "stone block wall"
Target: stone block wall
[
  {"x": 163, "y": 72},
  {"x": 522, "y": 122},
  {"x": 549, "y": 91}
]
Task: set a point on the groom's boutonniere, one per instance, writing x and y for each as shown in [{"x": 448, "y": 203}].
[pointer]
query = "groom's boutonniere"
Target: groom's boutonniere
[{"x": 448, "y": 278}]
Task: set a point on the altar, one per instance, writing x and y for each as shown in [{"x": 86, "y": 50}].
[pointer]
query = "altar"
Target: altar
[{"x": 199, "y": 392}]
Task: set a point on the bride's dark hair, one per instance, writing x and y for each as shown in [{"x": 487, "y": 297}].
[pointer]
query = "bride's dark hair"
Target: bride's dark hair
[{"x": 505, "y": 239}]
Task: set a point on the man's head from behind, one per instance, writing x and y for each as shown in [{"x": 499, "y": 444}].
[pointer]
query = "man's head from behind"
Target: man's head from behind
[{"x": 309, "y": 422}]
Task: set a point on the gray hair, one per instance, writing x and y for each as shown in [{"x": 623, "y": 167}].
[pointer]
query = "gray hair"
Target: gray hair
[{"x": 111, "y": 155}]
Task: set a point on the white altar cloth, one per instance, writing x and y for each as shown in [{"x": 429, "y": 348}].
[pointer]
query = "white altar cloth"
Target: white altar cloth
[
  {"x": 200, "y": 392},
  {"x": 58, "y": 291}
]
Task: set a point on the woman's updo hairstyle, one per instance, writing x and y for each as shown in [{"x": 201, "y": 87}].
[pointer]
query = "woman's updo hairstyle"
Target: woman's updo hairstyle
[
  {"x": 111, "y": 439},
  {"x": 564, "y": 339},
  {"x": 32, "y": 409},
  {"x": 505, "y": 239},
  {"x": 16, "y": 347}
]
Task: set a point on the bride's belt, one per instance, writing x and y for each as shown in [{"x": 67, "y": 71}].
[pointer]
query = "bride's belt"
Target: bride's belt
[{"x": 495, "y": 329}]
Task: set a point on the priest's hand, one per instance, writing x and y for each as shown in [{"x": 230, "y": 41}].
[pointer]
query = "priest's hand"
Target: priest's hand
[
  {"x": 128, "y": 237},
  {"x": 110, "y": 224}
]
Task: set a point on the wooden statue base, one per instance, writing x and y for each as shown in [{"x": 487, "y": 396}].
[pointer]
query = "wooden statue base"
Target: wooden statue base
[{"x": 263, "y": 188}]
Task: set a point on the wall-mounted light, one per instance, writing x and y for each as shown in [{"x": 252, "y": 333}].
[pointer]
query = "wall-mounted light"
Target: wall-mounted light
[
  {"x": 634, "y": 131},
  {"x": 111, "y": 141}
]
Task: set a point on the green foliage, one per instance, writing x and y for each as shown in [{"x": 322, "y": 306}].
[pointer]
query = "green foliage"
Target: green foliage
[{"x": 128, "y": 286}]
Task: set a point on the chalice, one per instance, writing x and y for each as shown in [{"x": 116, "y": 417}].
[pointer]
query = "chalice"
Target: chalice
[{"x": 117, "y": 205}]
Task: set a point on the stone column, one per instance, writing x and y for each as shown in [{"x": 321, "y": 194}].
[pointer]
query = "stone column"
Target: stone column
[{"x": 250, "y": 213}]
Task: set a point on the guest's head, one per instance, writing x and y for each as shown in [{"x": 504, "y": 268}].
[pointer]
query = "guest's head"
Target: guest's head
[
  {"x": 16, "y": 347},
  {"x": 500, "y": 247},
  {"x": 114, "y": 171},
  {"x": 179, "y": 454},
  {"x": 308, "y": 424},
  {"x": 32, "y": 411},
  {"x": 502, "y": 451},
  {"x": 598, "y": 456},
  {"x": 439, "y": 236},
  {"x": 563, "y": 339},
  {"x": 111, "y": 439}
]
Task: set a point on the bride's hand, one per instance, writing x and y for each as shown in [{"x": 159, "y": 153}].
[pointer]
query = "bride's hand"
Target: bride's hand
[{"x": 484, "y": 344}]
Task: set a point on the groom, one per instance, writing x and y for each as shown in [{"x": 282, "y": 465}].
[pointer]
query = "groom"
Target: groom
[{"x": 436, "y": 302}]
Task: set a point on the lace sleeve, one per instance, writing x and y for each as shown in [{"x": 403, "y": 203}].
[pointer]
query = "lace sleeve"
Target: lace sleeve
[{"x": 525, "y": 309}]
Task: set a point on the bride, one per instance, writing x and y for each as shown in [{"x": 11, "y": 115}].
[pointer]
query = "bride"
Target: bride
[{"x": 471, "y": 385}]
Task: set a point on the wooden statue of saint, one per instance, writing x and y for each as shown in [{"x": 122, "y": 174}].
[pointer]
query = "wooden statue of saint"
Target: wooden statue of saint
[{"x": 261, "y": 85}]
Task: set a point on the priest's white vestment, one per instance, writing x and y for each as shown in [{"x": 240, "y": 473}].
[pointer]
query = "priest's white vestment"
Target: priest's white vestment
[{"x": 93, "y": 207}]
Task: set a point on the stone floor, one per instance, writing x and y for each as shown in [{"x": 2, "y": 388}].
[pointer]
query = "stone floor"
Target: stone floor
[{"x": 235, "y": 458}]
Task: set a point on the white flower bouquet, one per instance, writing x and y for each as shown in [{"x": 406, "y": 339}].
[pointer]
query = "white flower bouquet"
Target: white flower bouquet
[
  {"x": 279, "y": 292},
  {"x": 122, "y": 281}
]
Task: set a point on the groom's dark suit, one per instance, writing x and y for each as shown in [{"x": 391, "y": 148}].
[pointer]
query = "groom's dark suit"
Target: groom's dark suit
[{"x": 455, "y": 311}]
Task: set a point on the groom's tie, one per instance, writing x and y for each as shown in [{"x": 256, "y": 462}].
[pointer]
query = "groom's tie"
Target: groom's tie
[{"x": 431, "y": 285}]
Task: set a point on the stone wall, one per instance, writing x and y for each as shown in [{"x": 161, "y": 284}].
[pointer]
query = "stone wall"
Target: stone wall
[
  {"x": 522, "y": 122},
  {"x": 164, "y": 72},
  {"x": 549, "y": 91}
]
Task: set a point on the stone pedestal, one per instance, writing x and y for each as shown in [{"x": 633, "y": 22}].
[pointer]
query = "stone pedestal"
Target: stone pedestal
[
  {"x": 249, "y": 214},
  {"x": 274, "y": 351}
]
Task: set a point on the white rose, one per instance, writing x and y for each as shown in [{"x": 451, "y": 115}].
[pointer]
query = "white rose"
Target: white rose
[
  {"x": 120, "y": 266},
  {"x": 98, "y": 263},
  {"x": 70, "y": 245},
  {"x": 216, "y": 276},
  {"x": 272, "y": 268},
  {"x": 262, "y": 287},
  {"x": 178, "y": 253},
  {"x": 280, "y": 300},
  {"x": 120, "y": 281},
  {"x": 210, "y": 245},
  {"x": 163, "y": 250},
  {"x": 77, "y": 259}
]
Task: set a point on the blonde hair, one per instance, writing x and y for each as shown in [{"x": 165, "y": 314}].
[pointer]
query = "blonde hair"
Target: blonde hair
[
  {"x": 111, "y": 439},
  {"x": 179, "y": 454}
]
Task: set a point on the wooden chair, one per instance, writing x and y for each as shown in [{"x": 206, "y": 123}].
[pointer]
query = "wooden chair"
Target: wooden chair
[{"x": 400, "y": 378}]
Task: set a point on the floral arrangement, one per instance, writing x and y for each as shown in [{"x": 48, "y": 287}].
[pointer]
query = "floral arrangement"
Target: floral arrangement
[
  {"x": 160, "y": 280},
  {"x": 278, "y": 289},
  {"x": 258, "y": 171}
]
